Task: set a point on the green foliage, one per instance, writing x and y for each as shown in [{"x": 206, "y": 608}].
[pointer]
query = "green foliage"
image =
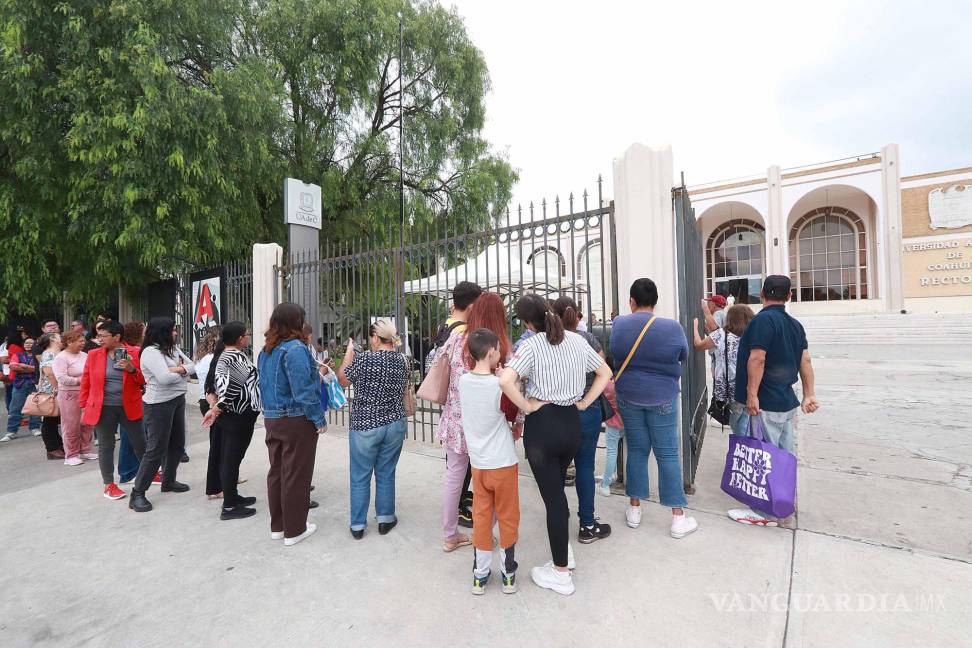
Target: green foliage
[{"x": 137, "y": 136}]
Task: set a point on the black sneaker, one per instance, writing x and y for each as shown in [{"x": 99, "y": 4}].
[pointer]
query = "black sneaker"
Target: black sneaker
[
  {"x": 465, "y": 518},
  {"x": 385, "y": 527},
  {"x": 184, "y": 459},
  {"x": 237, "y": 513},
  {"x": 596, "y": 531},
  {"x": 312, "y": 504},
  {"x": 175, "y": 487},
  {"x": 242, "y": 500}
]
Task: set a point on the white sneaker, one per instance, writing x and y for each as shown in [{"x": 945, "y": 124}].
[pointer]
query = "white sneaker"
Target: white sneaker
[
  {"x": 6, "y": 437},
  {"x": 604, "y": 489},
  {"x": 89, "y": 456},
  {"x": 74, "y": 461},
  {"x": 35, "y": 433},
  {"x": 633, "y": 516},
  {"x": 311, "y": 528},
  {"x": 549, "y": 578},
  {"x": 571, "y": 563},
  {"x": 276, "y": 535},
  {"x": 749, "y": 516},
  {"x": 682, "y": 525}
]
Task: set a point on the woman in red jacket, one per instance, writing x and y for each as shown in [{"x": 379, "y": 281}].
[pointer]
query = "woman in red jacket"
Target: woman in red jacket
[{"x": 111, "y": 395}]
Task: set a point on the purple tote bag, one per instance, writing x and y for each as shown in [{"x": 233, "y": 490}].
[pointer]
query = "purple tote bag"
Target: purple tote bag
[{"x": 759, "y": 474}]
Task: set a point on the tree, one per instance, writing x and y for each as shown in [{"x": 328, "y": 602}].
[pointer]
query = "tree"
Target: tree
[{"x": 139, "y": 136}]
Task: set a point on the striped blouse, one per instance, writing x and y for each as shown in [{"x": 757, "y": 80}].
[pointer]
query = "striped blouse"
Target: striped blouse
[
  {"x": 555, "y": 373},
  {"x": 236, "y": 383}
]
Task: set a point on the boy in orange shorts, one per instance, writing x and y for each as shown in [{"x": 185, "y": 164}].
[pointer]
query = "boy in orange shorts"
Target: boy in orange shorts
[{"x": 495, "y": 478}]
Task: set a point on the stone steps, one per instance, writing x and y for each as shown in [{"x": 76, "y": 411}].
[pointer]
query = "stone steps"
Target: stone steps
[{"x": 888, "y": 329}]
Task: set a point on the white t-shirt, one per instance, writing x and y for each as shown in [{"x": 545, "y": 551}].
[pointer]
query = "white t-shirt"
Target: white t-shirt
[{"x": 488, "y": 436}]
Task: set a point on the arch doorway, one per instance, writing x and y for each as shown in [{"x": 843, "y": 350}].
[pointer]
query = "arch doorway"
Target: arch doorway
[
  {"x": 828, "y": 256},
  {"x": 736, "y": 260}
]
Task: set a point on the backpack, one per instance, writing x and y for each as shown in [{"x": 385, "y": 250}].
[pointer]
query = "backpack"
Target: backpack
[{"x": 441, "y": 337}]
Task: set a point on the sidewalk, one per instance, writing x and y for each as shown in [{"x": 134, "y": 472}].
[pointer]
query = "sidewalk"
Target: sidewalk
[{"x": 867, "y": 565}]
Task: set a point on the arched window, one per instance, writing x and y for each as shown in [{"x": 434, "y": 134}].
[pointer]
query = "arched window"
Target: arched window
[
  {"x": 828, "y": 256},
  {"x": 547, "y": 259},
  {"x": 589, "y": 271},
  {"x": 735, "y": 260}
]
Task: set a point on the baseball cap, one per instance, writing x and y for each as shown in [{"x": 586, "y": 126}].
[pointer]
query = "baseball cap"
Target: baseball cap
[
  {"x": 718, "y": 300},
  {"x": 776, "y": 287}
]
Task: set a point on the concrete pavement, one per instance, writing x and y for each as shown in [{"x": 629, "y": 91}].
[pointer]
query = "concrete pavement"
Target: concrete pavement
[{"x": 879, "y": 555}]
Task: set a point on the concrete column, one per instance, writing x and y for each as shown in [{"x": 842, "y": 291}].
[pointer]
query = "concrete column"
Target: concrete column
[
  {"x": 267, "y": 289},
  {"x": 777, "y": 236},
  {"x": 890, "y": 234},
  {"x": 643, "y": 181}
]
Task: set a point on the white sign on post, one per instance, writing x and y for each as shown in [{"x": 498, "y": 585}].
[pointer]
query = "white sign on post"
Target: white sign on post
[{"x": 302, "y": 204}]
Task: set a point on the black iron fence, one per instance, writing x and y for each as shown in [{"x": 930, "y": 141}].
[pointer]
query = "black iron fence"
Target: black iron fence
[{"x": 552, "y": 249}]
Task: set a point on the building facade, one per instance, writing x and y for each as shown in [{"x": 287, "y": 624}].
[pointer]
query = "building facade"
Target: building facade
[{"x": 853, "y": 236}]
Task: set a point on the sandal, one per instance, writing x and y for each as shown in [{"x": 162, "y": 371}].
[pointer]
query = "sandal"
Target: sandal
[{"x": 460, "y": 540}]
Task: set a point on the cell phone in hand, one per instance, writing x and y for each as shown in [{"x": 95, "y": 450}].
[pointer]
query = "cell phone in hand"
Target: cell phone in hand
[{"x": 120, "y": 355}]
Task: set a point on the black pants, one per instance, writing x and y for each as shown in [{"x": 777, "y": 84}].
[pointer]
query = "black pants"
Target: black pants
[
  {"x": 165, "y": 434},
  {"x": 52, "y": 438},
  {"x": 551, "y": 437},
  {"x": 213, "y": 484},
  {"x": 237, "y": 431}
]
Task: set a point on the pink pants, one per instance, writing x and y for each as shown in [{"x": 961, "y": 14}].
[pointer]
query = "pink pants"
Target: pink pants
[
  {"x": 455, "y": 474},
  {"x": 77, "y": 437}
]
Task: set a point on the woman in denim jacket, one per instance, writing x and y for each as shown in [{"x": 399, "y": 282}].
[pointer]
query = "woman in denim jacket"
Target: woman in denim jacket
[{"x": 294, "y": 418}]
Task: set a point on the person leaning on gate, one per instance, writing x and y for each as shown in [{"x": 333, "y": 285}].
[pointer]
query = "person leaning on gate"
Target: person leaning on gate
[{"x": 772, "y": 354}]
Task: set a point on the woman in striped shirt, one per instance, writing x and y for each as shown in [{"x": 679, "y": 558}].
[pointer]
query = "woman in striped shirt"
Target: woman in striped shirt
[{"x": 555, "y": 363}]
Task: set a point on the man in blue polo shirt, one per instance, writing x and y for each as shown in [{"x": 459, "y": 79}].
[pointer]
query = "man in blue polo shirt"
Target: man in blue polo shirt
[{"x": 772, "y": 355}]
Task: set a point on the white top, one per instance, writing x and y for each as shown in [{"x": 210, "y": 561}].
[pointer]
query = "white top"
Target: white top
[
  {"x": 488, "y": 437},
  {"x": 162, "y": 385},
  {"x": 3, "y": 354},
  {"x": 720, "y": 337},
  {"x": 202, "y": 370},
  {"x": 556, "y": 373}
]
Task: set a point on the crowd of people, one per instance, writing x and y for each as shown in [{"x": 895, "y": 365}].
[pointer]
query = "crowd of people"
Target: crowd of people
[{"x": 554, "y": 388}]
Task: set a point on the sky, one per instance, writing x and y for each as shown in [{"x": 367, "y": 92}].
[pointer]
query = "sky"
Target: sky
[{"x": 733, "y": 87}]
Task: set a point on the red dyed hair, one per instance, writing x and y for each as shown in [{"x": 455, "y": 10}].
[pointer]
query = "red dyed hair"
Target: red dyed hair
[{"x": 488, "y": 312}]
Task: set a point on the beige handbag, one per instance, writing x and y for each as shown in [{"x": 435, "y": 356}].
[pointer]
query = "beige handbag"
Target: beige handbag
[
  {"x": 435, "y": 387},
  {"x": 40, "y": 404}
]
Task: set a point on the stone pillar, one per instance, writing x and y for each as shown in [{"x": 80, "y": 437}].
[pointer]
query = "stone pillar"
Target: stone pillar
[
  {"x": 777, "y": 236},
  {"x": 890, "y": 234},
  {"x": 267, "y": 289},
  {"x": 643, "y": 181}
]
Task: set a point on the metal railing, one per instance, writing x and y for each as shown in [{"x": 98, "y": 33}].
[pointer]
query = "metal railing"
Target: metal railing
[{"x": 537, "y": 249}]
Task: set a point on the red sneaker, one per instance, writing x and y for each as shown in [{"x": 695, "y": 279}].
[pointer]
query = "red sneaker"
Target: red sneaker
[
  {"x": 157, "y": 480},
  {"x": 112, "y": 492}
]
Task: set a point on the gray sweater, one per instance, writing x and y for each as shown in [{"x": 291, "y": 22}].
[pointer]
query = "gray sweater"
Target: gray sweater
[{"x": 161, "y": 385}]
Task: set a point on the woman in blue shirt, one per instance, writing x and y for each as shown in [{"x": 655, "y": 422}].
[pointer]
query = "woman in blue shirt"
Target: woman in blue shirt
[
  {"x": 647, "y": 387},
  {"x": 294, "y": 418}
]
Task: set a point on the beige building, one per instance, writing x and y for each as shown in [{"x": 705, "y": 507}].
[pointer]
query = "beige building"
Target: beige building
[{"x": 853, "y": 236}]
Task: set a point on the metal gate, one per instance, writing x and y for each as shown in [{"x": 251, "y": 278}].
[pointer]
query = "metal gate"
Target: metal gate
[
  {"x": 552, "y": 249},
  {"x": 691, "y": 283}
]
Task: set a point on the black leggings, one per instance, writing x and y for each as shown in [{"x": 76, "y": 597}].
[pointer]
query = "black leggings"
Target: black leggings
[
  {"x": 551, "y": 437},
  {"x": 52, "y": 438}
]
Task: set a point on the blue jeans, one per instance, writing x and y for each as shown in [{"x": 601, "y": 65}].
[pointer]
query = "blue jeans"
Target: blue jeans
[
  {"x": 376, "y": 450},
  {"x": 653, "y": 428},
  {"x": 7, "y": 395},
  {"x": 16, "y": 406},
  {"x": 612, "y": 437},
  {"x": 590, "y": 420},
  {"x": 127, "y": 461}
]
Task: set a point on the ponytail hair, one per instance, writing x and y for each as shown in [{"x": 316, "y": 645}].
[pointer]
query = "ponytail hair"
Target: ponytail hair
[
  {"x": 533, "y": 310},
  {"x": 566, "y": 309}
]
